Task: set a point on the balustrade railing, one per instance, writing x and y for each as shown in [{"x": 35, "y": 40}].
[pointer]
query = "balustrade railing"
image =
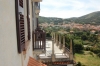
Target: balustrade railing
[
  {"x": 66, "y": 51},
  {"x": 39, "y": 39}
]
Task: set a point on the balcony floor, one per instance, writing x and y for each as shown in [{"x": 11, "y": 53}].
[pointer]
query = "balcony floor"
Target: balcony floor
[{"x": 58, "y": 53}]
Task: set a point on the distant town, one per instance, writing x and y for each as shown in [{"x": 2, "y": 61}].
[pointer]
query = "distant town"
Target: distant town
[{"x": 73, "y": 25}]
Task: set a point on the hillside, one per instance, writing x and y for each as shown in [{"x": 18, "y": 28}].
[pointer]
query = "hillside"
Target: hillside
[
  {"x": 92, "y": 18},
  {"x": 50, "y": 19}
]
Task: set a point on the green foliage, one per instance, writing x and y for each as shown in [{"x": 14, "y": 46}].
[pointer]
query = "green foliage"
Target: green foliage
[
  {"x": 84, "y": 37},
  {"x": 92, "y": 18},
  {"x": 48, "y": 34},
  {"x": 95, "y": 50},
  {"x": 98, "y": 55},
  {"x": 93, "y": 37},
  {"x": 87, "y": 48},
  {"x": 87, "y": 59},
  {"x": 79, "y": 64},
  {"x": 78, "y": 48},
  {"x": 91, "y": 53},
  {"x": 67, "y": 41},
  {"x": 50, "y": 19}
]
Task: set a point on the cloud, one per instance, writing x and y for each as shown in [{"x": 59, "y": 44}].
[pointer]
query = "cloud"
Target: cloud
[{"x": 68, "y": 8}]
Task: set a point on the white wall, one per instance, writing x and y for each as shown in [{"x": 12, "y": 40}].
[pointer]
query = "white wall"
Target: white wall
[
  {"x": 8, "y": 41},
  {"x": 9, "y": 55},
  {"x": 29, "y": 51}
]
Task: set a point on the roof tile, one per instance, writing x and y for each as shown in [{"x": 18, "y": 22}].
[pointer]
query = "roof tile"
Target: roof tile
[{"x": 33, "y": 62}]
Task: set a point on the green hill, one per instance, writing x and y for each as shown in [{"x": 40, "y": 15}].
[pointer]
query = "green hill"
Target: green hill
[
  {"x": 50, "y": 19},
  {"x": 92, "y": 18}
]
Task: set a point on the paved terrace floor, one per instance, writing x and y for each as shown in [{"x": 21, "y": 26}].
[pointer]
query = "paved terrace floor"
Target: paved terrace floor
[{"x": 57, "y": 51}]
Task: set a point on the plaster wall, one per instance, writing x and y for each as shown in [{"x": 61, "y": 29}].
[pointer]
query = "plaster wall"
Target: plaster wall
[{"x": 9, "y": 55}]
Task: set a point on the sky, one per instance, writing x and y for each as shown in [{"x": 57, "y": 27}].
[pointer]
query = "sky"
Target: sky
[{"x": 68, "y": 8}]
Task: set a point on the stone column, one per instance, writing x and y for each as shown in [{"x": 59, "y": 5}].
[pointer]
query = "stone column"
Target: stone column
[
  {"x": 52, "y": 36},
  {"x": 59, "y": 41},
  {"x": 71, "y": 50},
  {"x": 56, "y": 39},
  {"x": 53, "y": 55},
  {"x": 63, "y": 42}
]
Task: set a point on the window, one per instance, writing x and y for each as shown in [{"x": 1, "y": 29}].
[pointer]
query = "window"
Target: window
[{"x": 20, "y": 25}]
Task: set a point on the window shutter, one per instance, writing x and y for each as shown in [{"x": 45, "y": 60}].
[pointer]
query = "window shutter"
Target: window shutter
[
  {"x": 28, "y": 20},
  {"x": 20, "y": 25}
]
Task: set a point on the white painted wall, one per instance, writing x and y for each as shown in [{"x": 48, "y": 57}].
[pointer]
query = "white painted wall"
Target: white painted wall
[
  {"x": 9, "y": 55},
  {"x": 29, "y": 51},
  {"x": 8, "y": 41}
]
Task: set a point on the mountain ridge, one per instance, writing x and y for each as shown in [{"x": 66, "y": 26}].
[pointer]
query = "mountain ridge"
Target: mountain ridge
[{"x": 91, "y": 18}]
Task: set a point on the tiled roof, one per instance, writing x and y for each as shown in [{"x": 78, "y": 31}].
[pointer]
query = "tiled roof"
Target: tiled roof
[{"x": 33, "y": 62}]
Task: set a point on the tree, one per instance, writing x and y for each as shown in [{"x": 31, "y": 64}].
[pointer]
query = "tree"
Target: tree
[
  {"x": 98, "y": 55},
  {"x": 84, "y": 37},
  {"x": 78, "y": 48},
  {"x": 79, "y": 64},
  {"x": 48, "y": 34}
]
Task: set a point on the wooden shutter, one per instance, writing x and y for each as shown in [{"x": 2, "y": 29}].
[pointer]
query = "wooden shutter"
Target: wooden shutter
[
  {"x": 19, "y": 10},
  {"x": 28, "y": 20}
]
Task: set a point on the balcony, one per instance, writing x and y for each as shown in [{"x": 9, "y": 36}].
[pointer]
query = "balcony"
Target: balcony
[
  {"x": 56, "y": 52},
  {"x": 37, "y": 0},
  {"x": 39, "y": 41},
  {"x": 61, "y": 58}
]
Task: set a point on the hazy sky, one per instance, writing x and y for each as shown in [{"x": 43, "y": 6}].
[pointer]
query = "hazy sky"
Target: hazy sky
[{"x": 68, "y": 8}]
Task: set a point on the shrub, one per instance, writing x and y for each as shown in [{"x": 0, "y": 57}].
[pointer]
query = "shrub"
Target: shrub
[
  {"x": 78, "y": 47},
  {"x": 95, "y": 50},
  {"x": 98, "y": 55},
  {"x": 79, "y": 64},
  {"x": 87, "y": 48}
]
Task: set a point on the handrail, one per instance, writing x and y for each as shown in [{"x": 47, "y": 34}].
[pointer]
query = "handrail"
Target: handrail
[{"x": 67, "y": 51}]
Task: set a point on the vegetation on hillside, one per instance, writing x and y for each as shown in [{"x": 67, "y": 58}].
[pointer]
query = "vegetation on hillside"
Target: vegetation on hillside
[
  {"x": 86, "y": 45},
  {"x": 92, "y": 18}
]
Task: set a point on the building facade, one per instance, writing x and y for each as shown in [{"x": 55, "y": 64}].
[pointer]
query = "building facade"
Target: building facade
[{"x": 17, "y": 23}]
